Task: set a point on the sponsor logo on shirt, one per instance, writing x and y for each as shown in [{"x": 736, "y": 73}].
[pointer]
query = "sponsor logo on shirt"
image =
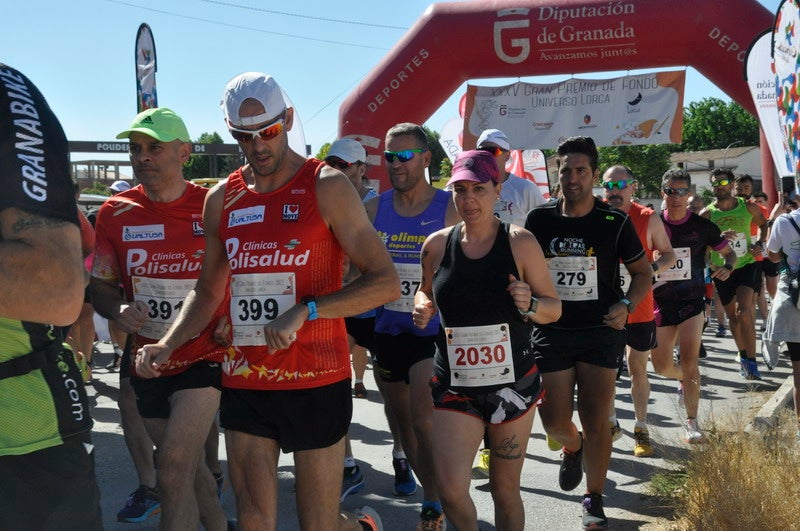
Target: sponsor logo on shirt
[
  {"x": 246, "y": 216},
  {"x": 291, "y": 212},
  {"x": 140, "y": 233},
  {"x": 197, "y": 228}
]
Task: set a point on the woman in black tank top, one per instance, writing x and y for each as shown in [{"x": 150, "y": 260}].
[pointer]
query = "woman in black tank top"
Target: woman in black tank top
[{"x": 491, "y": 285}]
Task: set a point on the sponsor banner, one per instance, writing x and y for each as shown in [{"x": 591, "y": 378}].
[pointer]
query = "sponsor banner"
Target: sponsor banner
[
  {"x": 760, "y": 78},
  {"x": 530, "y": 164},
  {"x": 146, "y": 67},
  {"x": 450, "y": 138},
  {"x": 785, "y": 48},
  {"x": 630, "y": 110}
]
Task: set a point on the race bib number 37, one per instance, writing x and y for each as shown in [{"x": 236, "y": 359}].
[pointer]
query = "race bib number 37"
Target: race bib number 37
[
  {"x": 409, "y": 282},
  {"x": 257, "y": 299}
]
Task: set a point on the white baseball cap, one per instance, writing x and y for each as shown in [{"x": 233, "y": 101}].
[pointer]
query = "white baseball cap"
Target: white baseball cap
[
  {"x": 495, "y": 137},
  {"x": 252, "y": 85},
  {"x": 119, "y": 186},
  {"x": 348, "y": 150}
]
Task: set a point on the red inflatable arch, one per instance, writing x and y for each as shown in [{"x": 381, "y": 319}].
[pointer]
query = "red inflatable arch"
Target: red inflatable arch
[{"x": 454, "y": 42}]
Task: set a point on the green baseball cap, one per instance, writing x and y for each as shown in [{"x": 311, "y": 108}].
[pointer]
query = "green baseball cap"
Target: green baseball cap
[{"x": 160, "y": 123}]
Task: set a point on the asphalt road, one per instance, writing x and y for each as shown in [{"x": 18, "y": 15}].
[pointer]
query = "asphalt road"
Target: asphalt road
[{"x": 728, "y": 403}]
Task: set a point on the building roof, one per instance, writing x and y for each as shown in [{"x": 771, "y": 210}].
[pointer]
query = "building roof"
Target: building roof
[{"x": 711, "y": 154}]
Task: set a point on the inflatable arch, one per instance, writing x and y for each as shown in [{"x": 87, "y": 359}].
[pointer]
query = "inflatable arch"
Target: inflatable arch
[{"x": 454, "y": 42}]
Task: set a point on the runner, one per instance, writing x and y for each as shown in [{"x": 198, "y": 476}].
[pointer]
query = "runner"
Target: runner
[
  {"x": 280, "y": 226},
  {"x": 619, "y": 185},
  {"x": 46, "y": 454},
  {"x": 584, "y": 240},
  {"x": 490, "y": 282},
  {"x": 679, "y": 293},
  {"x": 150, "y": 239},
  {"x": 404, "y": 217},
  {"x": 733, "y": 216}
]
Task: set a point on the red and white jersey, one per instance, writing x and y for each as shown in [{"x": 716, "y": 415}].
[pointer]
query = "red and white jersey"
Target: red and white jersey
[
  {"x": 155, "y": 251},
  {"x": 280, "y": 249}
]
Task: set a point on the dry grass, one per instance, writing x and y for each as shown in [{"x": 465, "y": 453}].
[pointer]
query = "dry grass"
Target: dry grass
[{"x": 738, "y": 480}]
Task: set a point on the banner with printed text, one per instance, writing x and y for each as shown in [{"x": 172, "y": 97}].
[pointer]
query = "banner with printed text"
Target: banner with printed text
[
  {"x": 631, "y": 110},
  {"x": 761, "y": 79},
  {"x": 146, "y": 67},
  {"x": 786, "y": 56}
]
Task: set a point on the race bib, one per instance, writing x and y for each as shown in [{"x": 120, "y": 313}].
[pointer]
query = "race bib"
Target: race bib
[
  {"x": 739, "y": 244},
  {"x": 409, "y": 282},
  {"x": 575, "y": 277},
  {"x": 164, "y": 300},
  {"x": 680, "y": 270},
  {"x": 257, "y": 299},
  {"x": 480, "y": 355},
  {"x": 624, "y": 278}
]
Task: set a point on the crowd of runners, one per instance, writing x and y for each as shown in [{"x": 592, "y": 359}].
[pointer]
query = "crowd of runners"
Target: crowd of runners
[{"x": 243, "y": 306}]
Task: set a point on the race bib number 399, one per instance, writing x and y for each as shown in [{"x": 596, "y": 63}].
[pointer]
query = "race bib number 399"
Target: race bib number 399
[
  {"x": 480, "y": 355},
  {"x": 257, "y": 299}
]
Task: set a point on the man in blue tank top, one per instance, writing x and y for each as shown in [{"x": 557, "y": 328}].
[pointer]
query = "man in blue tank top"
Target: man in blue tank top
[{"x": 404, "y": 216}]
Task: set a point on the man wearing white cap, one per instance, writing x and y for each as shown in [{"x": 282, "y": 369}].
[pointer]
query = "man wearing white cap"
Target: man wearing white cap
[
  {"x": 119, "y": 187},
  {"x": 279, "y": 228},
  {"x": 518, "y": 196}
]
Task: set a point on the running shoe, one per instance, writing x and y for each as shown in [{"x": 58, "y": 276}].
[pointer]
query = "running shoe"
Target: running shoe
[
  {"x": 693, "y": 433},
  {"x": 571, "y": 472},
  {"x": 431, "y": 520},
  {"x": 114, "y": 365},
  {"x": 743, "y": 368},
  {"x": 359, "y": 391},
  {"x": 616, "y": 431},
  {"x": 352, "y": 482},
  {"x": 593, "y": 515},
  {"x": 481, "y": 469},
  {"x": 721, "y": 331},
  {"x": 553, "y": 444},
  {"x": 219, "y": 479},
  {"x": 404, "y": 482},
  {"x": 141, "y": 505},
  {"x": 679, "y": 392},
  {"x": 752, "y": 369},
  {"x": 368, "y": 518},
  {"x": 642, "y": 448}
]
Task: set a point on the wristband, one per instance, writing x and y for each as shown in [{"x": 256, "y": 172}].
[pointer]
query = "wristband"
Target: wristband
[
  {"x": 655, "y": 266},
  {"x": 627, "y": 303},
  {"x": 311, "y": 302}
]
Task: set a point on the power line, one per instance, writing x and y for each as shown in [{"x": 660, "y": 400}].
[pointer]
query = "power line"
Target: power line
[
  {"x": 240, "y": 27},
  {"x": 324, "y": 19}
]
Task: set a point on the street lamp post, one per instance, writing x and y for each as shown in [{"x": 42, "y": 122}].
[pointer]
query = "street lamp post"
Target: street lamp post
[{"x": 725, "y": 153}]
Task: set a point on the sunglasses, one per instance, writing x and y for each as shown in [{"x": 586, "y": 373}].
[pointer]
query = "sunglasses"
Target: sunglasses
[
  {"x": 496, "y": 151},
  {"x": 268, "y": 132},
  {"x": 721, "y": 182},
  {"x": 402, "y": 156},
  {"x": 680, "y": 192},
  {"x": 339, "y": 164},
  {"x": 619, "y": 185}
]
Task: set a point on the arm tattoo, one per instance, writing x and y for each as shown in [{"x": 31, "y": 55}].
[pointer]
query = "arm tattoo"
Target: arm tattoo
[
  {"x": 29, "y": 221},
  {"x": 508, "y": 448}
]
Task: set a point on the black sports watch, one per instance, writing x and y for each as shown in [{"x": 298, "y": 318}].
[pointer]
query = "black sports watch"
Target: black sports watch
[{"x": 532, "y": 309}]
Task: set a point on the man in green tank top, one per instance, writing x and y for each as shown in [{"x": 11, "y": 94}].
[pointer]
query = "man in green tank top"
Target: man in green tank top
[{"x": 733, "y": 215}]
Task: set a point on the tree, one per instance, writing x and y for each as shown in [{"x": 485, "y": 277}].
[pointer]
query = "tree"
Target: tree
[
  {"x": 323, "y": 151},
  {"x": 713, "y": 124},
  {"x": 437, "y": 152},
  {"x": 199, "y": 166},
  {"x": 648, "y": 164}
]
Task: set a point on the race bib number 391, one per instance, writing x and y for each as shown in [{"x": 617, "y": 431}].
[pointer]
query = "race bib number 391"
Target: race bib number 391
[
  {"x": 257, "y": 299},
  {"x": 164, "y": 300}
]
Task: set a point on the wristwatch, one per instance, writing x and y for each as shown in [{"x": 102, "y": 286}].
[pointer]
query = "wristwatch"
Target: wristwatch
[
  {"x": 311, "y": 302},
  {"x": 728, "y": 267},
  {"x": 627, "y": 303},
  {"x": 532, "y": 309},
  {"x": 655, "y": 267}
]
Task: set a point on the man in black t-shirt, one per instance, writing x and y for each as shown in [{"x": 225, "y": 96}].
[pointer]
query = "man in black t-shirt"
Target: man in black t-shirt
[
  {"x": 584, "y": 240},
  {"x": 46, "y": 456}
]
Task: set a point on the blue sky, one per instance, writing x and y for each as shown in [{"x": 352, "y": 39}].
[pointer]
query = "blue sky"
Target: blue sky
[{"x": 80, "y": 55}]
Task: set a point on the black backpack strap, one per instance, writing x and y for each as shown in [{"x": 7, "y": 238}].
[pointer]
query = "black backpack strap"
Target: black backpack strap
[{"x": 24, "y": 364}]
